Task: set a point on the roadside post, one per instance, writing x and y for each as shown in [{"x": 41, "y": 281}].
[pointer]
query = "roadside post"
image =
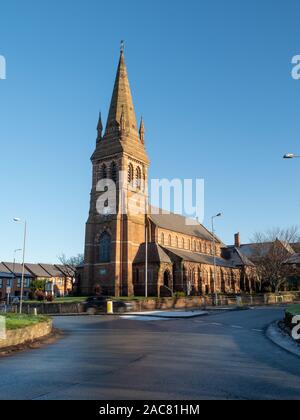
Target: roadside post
[
  {"x": 110, "y": 307},
  {"x": 8, "y": 292}
]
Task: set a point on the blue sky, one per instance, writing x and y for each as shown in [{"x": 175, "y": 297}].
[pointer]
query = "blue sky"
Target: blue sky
[{"x": 211, "y": 78}]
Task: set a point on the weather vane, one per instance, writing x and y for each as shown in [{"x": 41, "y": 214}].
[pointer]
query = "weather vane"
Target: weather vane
[{"x": 122, "y": 46}]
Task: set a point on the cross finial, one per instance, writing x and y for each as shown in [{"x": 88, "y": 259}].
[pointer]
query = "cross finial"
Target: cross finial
[{"x": 122, "y": 47}]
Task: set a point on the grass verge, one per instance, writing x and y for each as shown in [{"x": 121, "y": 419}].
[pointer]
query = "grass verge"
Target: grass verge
[
  {"x": 15, "y": 321},
  {"x": 293, "y": 310},
  {"x": 60, "y": 300}
]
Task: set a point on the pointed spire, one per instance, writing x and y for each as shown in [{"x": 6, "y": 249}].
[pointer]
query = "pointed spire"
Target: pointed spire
[
  {"x": 142, "y": 131},
  {"x": 121, "y": 102},
  {"x": 99, "y": 128}
]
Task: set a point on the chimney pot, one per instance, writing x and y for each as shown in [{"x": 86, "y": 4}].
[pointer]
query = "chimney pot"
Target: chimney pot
[{"x": 237, "y": 240}]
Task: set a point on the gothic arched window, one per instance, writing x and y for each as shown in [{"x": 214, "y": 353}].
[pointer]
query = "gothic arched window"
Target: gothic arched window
[
  {"x": 114, "y": 172},
  {"x": 162, "y": 239},
  {"x": 130, "y": 173},
  {"x": 170, "y": 240},
  {"x": 105, "y": 248},
  {"x": 138, "y": 175},
  {"x": 182, "y": 243}
]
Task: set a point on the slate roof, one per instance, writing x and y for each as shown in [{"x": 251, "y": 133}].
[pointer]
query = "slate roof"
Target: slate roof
[
  {"x": 254, "y": 250},
  {"x": 296, "y": 247},
  {"x": 17, "y": 269},
  {"x": 180, "y": 224},
  {"x": 198, "y": 258},
  {"x": 53, "y": 270},
  {"x": 5, "y": 272},
  {"x": 67, "y": 270},
  {"x": 237, "y": 258},
  {"x": 295, "y": 259},
  {"x": 155, "y": 254},
  {"x": 37, "y": 270}
]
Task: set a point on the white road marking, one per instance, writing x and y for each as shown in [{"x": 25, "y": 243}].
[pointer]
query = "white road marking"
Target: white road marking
[
  {"x": 237, "y": 327},
  {"x": 256, "y": 330}
]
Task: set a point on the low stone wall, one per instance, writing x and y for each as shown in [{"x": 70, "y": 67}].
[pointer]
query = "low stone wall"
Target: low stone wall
[
  {"x": 23, "y": 335},
  {"x": 54, "y": 308},
  {"x": 151, "y": 304},
  {"x": 223, "y": 300}
]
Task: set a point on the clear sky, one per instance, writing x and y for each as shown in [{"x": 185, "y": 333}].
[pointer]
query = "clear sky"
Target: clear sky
[{"x": 212, "y": 79}]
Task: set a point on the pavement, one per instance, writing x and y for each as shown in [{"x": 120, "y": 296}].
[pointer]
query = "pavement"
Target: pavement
[
  {"x": 283, "y": 339},
  {"x": 165, "y": 314},
  {"x": 224, "y": 355}
]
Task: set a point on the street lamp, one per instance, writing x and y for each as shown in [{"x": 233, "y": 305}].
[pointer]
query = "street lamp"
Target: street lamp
[
  {"x": 17, "y": 220},
  {"x": 290, "y": 156},
  {"x": 214, "y": 253},
  {"x": 146, "y": 244},
  {"x": 14, "y": 275}
]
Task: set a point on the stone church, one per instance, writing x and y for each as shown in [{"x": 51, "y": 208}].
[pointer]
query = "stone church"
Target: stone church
[{"x": 119, "y": 244}]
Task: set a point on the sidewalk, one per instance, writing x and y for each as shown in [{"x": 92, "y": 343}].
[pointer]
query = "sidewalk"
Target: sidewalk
[
  {"x": 166, "y": 314},
  {"x": 282, "y": 339}
]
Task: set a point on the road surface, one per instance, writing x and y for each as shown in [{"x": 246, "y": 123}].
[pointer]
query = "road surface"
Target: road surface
[{"x": 219, "y": 356}]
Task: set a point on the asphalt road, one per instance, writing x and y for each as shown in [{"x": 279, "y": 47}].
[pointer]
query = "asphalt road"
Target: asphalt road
[{"x": 219, "y": 356}]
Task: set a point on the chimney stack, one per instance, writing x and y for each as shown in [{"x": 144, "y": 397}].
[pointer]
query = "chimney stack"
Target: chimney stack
[{"x": 237, "y": 240}]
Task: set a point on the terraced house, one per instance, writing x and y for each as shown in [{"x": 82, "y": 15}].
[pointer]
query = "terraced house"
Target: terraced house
[
  {"x": 59, "y": 279},
  {"x": 180, "y": 254}
]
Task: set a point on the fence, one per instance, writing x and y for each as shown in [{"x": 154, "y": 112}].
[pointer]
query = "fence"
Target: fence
[{"x": 6, "y": 309}]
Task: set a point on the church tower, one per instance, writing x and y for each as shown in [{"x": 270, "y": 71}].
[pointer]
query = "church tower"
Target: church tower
[{"x": 115, "y": 231}]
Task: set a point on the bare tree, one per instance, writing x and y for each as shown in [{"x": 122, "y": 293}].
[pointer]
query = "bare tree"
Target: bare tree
[
  {"x": 70, "y": 265},
  {"x": 271, "y": 250}
]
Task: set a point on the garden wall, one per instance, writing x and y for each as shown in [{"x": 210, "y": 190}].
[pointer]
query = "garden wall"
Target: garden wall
[
  {"x": 150, "y": 304},
  {"x": 27, "y": 334}
]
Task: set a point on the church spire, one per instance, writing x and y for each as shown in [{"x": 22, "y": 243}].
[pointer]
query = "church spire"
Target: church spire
[
  {"x": 99, "y": 128},
  {"x": 121, "y": 102}
]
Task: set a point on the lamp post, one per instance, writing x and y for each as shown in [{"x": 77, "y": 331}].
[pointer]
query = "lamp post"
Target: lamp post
[
  {"x": 17, "y": 220},
  {"x": 146, "y": 243},
  {"x": 291, "y": 156},
  {"x": 214, "y": 253},
  {"x": 14, "y": 275}
]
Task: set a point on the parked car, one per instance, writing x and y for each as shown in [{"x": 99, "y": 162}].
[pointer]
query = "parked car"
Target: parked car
[{"x": 98, "y": 304}]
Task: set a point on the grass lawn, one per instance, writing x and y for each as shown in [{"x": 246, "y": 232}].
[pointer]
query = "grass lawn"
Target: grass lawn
[
  {"x": 15, "y": 321},
  {"x": 294, "y": 309}
]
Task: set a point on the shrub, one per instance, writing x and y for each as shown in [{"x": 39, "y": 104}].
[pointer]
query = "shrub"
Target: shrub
[
  {"x": 40, "y": 296},
  {"x": 179, "y": 295}
]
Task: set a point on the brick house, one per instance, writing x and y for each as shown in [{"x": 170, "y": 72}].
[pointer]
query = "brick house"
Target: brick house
[
  {"x": 6, "y": 281},
  {"x": 16, "y": 271},
  {"x": 61, "y": 279}
]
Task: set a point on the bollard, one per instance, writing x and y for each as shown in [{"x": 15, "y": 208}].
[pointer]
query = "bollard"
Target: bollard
[
  {"x": 110, "y": 307},
  {"x": 35, "y": 311}
]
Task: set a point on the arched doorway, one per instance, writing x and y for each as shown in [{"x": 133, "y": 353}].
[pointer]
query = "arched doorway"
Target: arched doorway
[{"x": 167, "y": 279}]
